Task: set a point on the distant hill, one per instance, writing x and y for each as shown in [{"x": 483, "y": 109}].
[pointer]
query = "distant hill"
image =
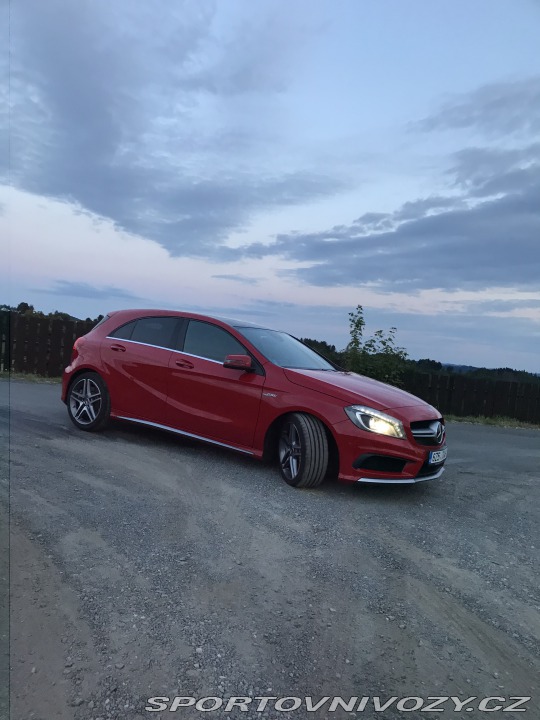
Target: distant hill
[
  {"x": 460, "y": 368},
  {"x": 507, "y": 374}
]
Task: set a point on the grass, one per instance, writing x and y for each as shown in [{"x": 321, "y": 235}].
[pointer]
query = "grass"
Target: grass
[
  {"x": 29, "y": 378},
  {"x": 498, "y": 421}
]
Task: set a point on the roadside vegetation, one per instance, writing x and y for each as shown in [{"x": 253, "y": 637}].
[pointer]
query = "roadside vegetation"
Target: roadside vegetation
[
  {"x": 377, "y": 357},
  {"x": 497, "y": 421},
  {"x": 28, "y": 377}
]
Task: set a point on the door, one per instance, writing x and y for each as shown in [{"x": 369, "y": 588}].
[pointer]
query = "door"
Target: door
[
  {"x": 207, "y": 399},
  {"x": 136, "y": 358}
]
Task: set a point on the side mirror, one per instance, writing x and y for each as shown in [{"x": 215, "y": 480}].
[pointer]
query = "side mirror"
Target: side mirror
[{"x": 238, "y": 362}]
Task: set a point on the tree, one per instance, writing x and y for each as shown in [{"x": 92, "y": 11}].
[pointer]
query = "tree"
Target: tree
[
  {"x": 429, "y": 366},
  {"x": 57, "y": 315},
  {"x": 25, "y": 309},
  {"x": 377, "y": 357}
]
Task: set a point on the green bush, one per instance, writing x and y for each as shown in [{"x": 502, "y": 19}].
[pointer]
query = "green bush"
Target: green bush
[{"x": 378, "y": 357}]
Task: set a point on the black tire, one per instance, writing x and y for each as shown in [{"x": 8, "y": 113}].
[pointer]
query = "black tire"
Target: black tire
[
  {"x": 303, "y": 451},
  {"x": 88, "y": 402}
]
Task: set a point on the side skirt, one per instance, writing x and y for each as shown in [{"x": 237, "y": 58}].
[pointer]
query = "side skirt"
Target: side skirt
[{"x": 185, "y": 434}]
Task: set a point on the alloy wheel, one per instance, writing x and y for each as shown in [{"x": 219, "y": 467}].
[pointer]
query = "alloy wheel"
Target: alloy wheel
[
  {"x": 290, "y": 451},
  {"x": 85, "y": 401}
]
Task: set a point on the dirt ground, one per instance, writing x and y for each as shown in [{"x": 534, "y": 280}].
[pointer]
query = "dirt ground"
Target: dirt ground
[{"x": 143, "y": 565}]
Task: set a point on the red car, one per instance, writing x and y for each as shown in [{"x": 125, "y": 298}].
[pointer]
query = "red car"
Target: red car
[{"x": 255, "y": 390}]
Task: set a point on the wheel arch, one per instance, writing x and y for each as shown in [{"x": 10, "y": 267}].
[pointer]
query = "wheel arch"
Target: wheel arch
[
  {"x": 80, "y": 371},
  {"x": 270, "y": 445}
]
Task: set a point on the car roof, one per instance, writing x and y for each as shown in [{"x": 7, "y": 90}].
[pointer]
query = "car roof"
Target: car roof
[
  {"x": 132, "y": 313},
  {"x": 234, "y": 322}
]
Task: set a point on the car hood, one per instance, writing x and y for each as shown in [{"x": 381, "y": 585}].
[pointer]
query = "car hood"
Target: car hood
[{"x": 353, "y": 389}]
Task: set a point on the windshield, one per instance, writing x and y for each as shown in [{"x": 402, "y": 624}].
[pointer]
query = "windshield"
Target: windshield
[{"x": 285, "y": 350}]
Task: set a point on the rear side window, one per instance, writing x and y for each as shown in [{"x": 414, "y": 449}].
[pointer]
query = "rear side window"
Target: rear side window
[
  {"x": 158, "y": 331},
  {"x": 210, "y": 341},
  {"x": 124, "y": 331}
]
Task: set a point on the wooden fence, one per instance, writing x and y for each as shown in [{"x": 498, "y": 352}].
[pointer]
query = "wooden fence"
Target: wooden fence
[
  {"x": 40, "y": 346},
  {"x": 466, "y": 396},
  {"x": 43, "y": 346}
]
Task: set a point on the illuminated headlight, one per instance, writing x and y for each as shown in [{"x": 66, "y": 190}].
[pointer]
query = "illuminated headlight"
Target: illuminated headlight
[{"x": 375, "y": 421}]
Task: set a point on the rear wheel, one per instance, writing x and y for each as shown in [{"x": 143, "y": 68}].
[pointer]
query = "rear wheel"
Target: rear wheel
[
  {"x": 88, "y": 402},
  {"x": 303, "y": 451}
]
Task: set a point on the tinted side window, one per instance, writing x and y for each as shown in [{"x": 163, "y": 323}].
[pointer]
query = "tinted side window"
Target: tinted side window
[
  {"x": 158, "y": 331},
  {"x": 124, "y": 331},
  {"x": 210, "y": 341}
]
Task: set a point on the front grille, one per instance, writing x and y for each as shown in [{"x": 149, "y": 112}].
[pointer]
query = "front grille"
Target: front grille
[{"x": 428, "y": 432}]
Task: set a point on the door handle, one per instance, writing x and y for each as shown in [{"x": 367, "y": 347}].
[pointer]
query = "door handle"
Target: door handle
[
  {"x": 184, "y": 364},
  {"x": 118, "y": 348}
]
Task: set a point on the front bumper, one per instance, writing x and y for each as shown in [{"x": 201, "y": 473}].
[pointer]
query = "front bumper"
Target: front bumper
[{"x": 410, "y": 457}]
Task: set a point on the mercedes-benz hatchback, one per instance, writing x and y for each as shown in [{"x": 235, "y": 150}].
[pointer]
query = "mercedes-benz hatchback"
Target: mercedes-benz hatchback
[{"x": 259, "y": 391}]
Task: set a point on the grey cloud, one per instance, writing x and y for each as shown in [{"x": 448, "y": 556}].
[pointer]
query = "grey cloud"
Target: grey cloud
[
  {"x": 507, "y": 305},
  {"x": 238, "y": 278},
  {"x": 497, "y": 109},
  {"x": 371, "y": 222},
  {"x": 484, "y": 171},
  {"x": 490, "y": 236},
  {"x": 267, "y": 312},
  {"x": 84, "y": 290},
  {"x": 107, "y": 101},
  {"x": 419, "y": 208}
]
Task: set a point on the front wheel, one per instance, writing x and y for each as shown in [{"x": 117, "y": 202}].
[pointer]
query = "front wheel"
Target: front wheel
[
  {"x": 303, "y": 451},
  {"x": 88, "y": 402}
]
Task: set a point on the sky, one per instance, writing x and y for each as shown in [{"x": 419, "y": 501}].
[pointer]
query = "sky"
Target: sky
[{"x": 280, "y": 163}]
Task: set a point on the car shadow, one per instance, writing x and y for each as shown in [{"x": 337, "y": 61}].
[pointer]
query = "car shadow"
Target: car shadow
[
  {"x": 364, "y": 492},
  {"x": 375, "y": 492}
]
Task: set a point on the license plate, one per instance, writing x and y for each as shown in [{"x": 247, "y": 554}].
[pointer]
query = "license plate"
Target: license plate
[{"x": 437, "y": 456}]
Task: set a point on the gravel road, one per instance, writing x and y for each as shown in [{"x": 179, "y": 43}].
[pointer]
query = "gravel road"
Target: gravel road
[{"x": 146, "y": 565}]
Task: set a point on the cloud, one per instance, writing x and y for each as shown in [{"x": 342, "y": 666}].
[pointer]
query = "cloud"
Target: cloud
[
  {"x": 237, "y": 278},
  {"x": 137, "y": 112},
  {"x": 85, "y": 290},
  {"x": 507, "y": 305},
  {"x": 484, "y": 232},
  {"x": 505, "y": 108},
  {"x": 487, "y": 236},
  {"x": 485, "y": 171}
]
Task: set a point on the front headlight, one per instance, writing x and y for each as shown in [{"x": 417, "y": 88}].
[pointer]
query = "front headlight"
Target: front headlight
[{"x": 375, "y": 421}]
